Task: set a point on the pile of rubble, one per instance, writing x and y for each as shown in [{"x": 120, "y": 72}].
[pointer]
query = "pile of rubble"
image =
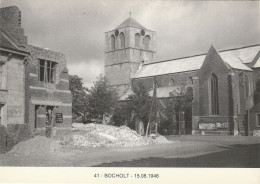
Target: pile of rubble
[
  {"x": 38, "y": 145},
  {"x": 98, "y": 135}
]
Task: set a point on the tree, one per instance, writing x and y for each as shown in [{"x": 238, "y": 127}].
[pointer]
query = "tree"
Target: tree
[
  {"x": 102, "y": 98},
  {"x": 179, "y": 101},
  {"x": 80, "y": 98},
  {"x": 139, "y": 105}
]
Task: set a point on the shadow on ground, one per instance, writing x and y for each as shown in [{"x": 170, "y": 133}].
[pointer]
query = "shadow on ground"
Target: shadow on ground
[{"x": 238, "y": 156}]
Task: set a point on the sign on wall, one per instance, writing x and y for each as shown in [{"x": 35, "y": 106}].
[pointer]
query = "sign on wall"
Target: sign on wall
[
  {"x": 213, "y": 125},
  {"x": 59, "y": 118}
]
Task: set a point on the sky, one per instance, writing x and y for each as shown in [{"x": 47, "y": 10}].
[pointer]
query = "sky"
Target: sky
[{"x": 183, "y": 28}]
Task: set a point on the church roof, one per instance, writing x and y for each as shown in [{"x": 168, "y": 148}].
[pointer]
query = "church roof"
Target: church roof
[
  {"x": 245, "y": 55},
  {"x": 171, "y": 66},
  {"x": 234, "y": 58},
  {"x": 130, "y": 22}
]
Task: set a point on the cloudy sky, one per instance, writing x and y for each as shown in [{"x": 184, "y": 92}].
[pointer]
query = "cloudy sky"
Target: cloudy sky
[{"x": 76, "y": 27}]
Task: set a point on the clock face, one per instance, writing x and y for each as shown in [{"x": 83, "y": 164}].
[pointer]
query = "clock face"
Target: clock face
[
  {"x": 116, "y": 32},
  {"x": 142, "y": 32}
]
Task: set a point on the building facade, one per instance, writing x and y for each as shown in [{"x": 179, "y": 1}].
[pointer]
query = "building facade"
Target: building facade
[
  {"x": 225, "y": 86},
  {"x": 34, "y": 81}
]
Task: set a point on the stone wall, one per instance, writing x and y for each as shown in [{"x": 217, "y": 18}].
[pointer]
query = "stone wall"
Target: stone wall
[{"x": 41, "y": 94}]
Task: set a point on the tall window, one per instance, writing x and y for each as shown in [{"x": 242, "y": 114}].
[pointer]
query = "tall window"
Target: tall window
[
  {"x": 257, "y": 119},
  {"x": 171, "y": 82},
  {"x": 1, "y": 76},
  {"x": 137, "y": 40},
  {"x": 1, "y": 114},
  {"x": 112, "y": 42},
  {"x": 47, "y": 71},
  {"x": 190, "y": 81},
  {"x": 214, "y": 95},
  {"x": 246, "y": 86},
  {"x": 147, "y": 40},
  {"x": 122, "y": 40}
]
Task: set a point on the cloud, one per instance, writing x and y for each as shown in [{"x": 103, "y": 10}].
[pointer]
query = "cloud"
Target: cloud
[
  {"x": 183, "y": 28},
  {"x": 89, "y": 71}
]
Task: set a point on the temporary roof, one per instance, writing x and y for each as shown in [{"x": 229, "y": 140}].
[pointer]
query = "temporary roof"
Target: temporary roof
[
  {"x": 171, "y": 66},
  {"x": 234, "y": 58},
  {"x": 130, "y": 22},
  {"x": 245, "y": 55}
]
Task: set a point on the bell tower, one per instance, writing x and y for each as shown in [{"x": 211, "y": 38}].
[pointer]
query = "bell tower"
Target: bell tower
[{"x": 126, "y": 47}]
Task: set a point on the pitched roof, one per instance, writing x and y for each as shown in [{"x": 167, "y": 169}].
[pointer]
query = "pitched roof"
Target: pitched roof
[
  {"x": 244, "y": 54},
  {"x": 7, "y": 41},
  {"x": 171, "y": 66},
  {"x": 130, "y": 22},
  {"x": 234, "y": 58}
]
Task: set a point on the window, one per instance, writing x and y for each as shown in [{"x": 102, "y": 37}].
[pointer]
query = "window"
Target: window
[
  {"x": 147, "y": 40},
  {"x": 246, "y": 86},
  {"x": 190, "y": 81},
  {"x": 112, "y": 42},
  {"x": 257, "y": 119},
  {"x": 171, "y": 82},
  {"x": 1, "y": 114},
  {"x": 47, "y": 71},
  {"x": 1, "y": 76},
  {"x": 137, "y": 40},
  {"x": 122, "y": 40},
  {"x": 214, "y": 95}
]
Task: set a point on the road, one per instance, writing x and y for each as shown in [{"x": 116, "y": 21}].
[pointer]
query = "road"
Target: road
[{"x": 185, "y": 151}]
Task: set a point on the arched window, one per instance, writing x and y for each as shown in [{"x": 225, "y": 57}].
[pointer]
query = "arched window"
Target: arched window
[
  {"x": 171, "y": 82},
  {"x": 214, "y": 95},
  {"x": 190, "y": 81},
  {"x": 112, "y": 42},
  {"x": 246, "y": 86},
  {"x": 147, "y": 40},
  {"x": 122, "y": 40},
  {"x": 137, "y": 40}
]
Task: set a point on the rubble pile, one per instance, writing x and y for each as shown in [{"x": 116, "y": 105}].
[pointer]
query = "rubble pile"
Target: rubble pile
[
  {"x": 96, "y": 135},
  {"x": 38, "y": 145}
]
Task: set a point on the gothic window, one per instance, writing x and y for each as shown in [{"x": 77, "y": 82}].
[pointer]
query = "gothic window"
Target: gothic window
[
  {"x": 1, "y": 76},
  {"x": 190, "y": 81},
  {"x": 137, "y": 40},
  {"x": 171, "y": 82},
  {"x": 246, "y": 86},
  {"x": 214, "y": 95},
  {"x": 47, "y": 71},
  {"x": 1, "y": 114},
  {"x": 122, "y": 40},
  {"x": 112, "y": 42},
  {"x": 147, "y": 40}
]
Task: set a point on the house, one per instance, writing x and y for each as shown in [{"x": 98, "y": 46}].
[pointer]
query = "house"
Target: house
[{"x": 34, "y": 82}]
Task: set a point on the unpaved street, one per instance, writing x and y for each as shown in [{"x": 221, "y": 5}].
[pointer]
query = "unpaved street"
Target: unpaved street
[{"x": 185, "y": 151}]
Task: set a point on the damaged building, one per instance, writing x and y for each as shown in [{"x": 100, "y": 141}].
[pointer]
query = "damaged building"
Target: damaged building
[
  {"x": 34, "y": 81},
  {"x": 225, "y": 84}
]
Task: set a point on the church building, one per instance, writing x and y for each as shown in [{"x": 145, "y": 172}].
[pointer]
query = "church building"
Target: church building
[{"x": 225, "y": 84}]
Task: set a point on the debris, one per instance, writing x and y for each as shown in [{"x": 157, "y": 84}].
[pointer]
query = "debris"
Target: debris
[
  {"x": 38, "y": 145},
  {"x": 97, "y": 135}
]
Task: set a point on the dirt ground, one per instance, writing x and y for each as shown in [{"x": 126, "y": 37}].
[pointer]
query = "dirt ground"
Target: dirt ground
[{"x": 184, "y": 151}]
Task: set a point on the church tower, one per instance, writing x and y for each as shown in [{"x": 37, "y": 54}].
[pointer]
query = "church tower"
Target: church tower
[{"x": 126, "y": 47}]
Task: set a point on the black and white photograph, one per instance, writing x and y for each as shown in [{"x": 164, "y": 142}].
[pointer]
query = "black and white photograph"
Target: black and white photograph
[{"x": 129, "y": 84}]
